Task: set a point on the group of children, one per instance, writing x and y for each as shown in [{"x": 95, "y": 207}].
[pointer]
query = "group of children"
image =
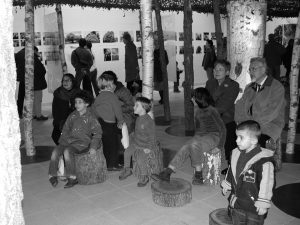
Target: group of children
[{"x": 250, "y": 177}]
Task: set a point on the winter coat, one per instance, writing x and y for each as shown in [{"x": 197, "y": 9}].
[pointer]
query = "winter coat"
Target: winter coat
[
  {"x": 209, "y": 59},
  {"x": 131, "y": 63},
  {"x": 81, "y": 58},
  {"x": 158, "y": 76}
]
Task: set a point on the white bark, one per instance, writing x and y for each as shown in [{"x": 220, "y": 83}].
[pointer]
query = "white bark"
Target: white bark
[
  {"x": 147, "y": 35},
  {"x": 294, "y": 91},
  {"x": 247, "y": 30},
  {"x": 10, "y": 167}
]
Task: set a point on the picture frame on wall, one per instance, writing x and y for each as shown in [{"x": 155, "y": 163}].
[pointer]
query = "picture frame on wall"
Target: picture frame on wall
[
  {"x": 181, "y": 36},
  {"x": 92, "y": 36},
  {"x": 181, "y": 50},
  {"x": 107, "y": 54},
  {"x": 109, "y": 37},
  {"x": 198, "y": 37},
  {"x": 205, "y": 36},
  {"x": 122, "y": 33},
  {"x": 198, "y": 50},
  {"x": 72, "y": 37},
  {"x": 213, "y": 36},
  {"x": 114, "y": 54},
  {"x": 16, "y": 42}
]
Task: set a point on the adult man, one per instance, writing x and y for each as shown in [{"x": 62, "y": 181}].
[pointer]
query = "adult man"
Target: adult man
[
  {"x": 82, "y": 60},
  {"x": 263, "y": 101},
  {"x": 273, "y": 54}
]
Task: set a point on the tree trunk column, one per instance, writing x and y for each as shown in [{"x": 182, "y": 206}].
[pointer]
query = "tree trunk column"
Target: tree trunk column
[{"x": 247, "y": 27}]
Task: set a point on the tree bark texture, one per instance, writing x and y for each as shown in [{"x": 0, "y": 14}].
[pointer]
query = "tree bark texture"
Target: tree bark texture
[
  {"x": 163, "y": 61},
  {"x": 61, "y": 39},
  {"x": 10, "y": 166},
  {"x": 147, "y": 35},
  {"x": 294, "y": 91},
  {"x": 211, "y": 169},
  {"x": 189, "y": 69},
  {"x": 29, "y": 73},
  {"x": 247, "y": 30},
  {"x": 218, "y": 28}
]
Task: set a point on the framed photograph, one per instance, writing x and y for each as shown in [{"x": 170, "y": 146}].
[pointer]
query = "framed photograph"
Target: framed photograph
[
  {"x": 72, "y": 37},
  {"x": 129, "y": 32},
  {"x": 22, "y": 35},
  {"x": 107, "y": 54},
  {"x": 22, "y": 42},
  {"x": 181, "y": 50},
  {"x": 109, "y": 37},
  {"x": 114, "y": 54},
  {"x": 198, "y": 50},
  {"x": 16, "y": 43},
  {"x": 138, "y": 36},
  {"x": 92, "y": 36},
  {"x": 198, "y": 36},
  {"x": 181, "y": 36},
  {"x": 15, "y": 36},
  {"x": 213, "y": 36},
  {"x": 205, "y": 36}
]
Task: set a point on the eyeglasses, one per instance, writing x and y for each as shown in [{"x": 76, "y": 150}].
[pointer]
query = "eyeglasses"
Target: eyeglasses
[{"x": 254, "y": 69}]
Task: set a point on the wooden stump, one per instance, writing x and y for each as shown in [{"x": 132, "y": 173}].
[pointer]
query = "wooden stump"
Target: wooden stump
[
  {"x": 175, "y": 193},
  {"x": 90, "y": 168},
  {"x": 219, "y": 217},
  {"x": 211, "y": 168}
]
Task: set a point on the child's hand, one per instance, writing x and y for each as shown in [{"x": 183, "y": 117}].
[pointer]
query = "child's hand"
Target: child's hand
[
  {"x": 224, "y": 190},
  {"x": 147, "y": 151},
  {"x": 92, "y": 151},
  {"x": 261, "y": 211}
]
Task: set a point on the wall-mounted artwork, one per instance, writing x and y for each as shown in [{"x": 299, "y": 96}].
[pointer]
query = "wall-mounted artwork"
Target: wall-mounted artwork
[
  {"x": 92, "y": 36},
  {"x": 138, "y": 36},
  {"x": 289, "y": 31},
  {"x": 181, "y": 50},
  {"x": 129, "y": 32},
  {"x": 15, "y": 35},
  {"x": 111, "y": 54},
  {"x": 22, "y": 42},
  {"x": 198, "y": 36},
  {"x": 22, "y": 38},
  {"x": 205, "y": 36},
  {"x": 37, "y": 38},
  {"x": 213, "y": 36},
  {"x": 72, "y": 37},
  {"x": 16, "y": 43},
  {"x": 181, "y": 36},
  {"x": 109, "y": 37},
  {"x": 198, "y": 50},
  {"x": 107, "y": 54}
]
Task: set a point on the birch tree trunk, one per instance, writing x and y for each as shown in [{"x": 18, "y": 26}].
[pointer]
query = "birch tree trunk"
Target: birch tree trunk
[
  {"x": 147, "y": 35},
  {"x": 294, "y": 91},
  {"x": 61, "y": 39},
  {"x": 141, "y": 31},
  {"x": 163, "y": 62},
  {"x": 247, "y": 30},
  {"x": 29, "y": 73},
  {"x": 218, "y": 29},
  {"x": 188, "y": 68},
  {"x": 10, "y": 167}
]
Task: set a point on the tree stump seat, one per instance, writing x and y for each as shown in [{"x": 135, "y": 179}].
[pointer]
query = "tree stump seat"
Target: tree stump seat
[
  {"x": 175, "y": 193},
  {"x": 220, "y": 217},
  {"x": 211, "y": 168},
  {"x": 90, "y": 168}
]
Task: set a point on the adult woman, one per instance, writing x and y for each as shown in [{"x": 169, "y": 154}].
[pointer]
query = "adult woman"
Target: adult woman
[
  {"x": 63, "y": 104},
  {"x": 224, "y": 92}
]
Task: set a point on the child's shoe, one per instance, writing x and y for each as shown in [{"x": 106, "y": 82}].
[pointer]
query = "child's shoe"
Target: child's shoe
[
  {"x": 164, "y": 175},
  {"x": 126, "y": 172},
  {"x": 197, "y": 178},
  {"x": 53, "y": 181},
  {"x": 143, "y": 182},
  {"x": 71, "y": 182}
]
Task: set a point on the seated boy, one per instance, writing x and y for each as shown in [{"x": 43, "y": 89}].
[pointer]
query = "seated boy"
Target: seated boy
[
  {"x": 81, "y": 133},
  {"x": 143, "y": 138},
  {"x": 250, "y": 177}
]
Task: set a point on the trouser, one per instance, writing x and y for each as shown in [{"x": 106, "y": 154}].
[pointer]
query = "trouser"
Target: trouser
[
  {"x": 82, "y": 75},
  {"x": 21, "y": 96},
  {"x": 110, "y": 143},
  {"x": 230, "y": 142},
  {"x": 242, "y": 217},
  {"x": 93, "y": 78},
  {"x": 195, "y": 149},
  {"x": 69, "y": 157},
  {"x": 176, "y": 84},
  {"x": 209, "y": 73},
  {"x": 128, "y": 154},
  {"x": 37, "y": 103}
]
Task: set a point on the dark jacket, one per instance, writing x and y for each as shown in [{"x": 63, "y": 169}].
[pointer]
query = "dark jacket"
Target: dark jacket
[
  {"x": 224, "y": 96},
  {"x": 81, "y": 58},
  {"x": 273, "y": 53},
  {"x": 127, "y": 104},
  {"x": 254, "y": 186},
  {"x": 209, "y": 59},
  {"x": 158, "y": 76},
  {"x": 131, "y": 62}
]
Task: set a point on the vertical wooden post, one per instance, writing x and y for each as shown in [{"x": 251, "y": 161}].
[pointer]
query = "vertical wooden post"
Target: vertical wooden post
[{"x": 218, "y": 29}]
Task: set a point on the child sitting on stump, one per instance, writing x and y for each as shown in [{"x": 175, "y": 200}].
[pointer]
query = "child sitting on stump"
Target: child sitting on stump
[
  {"x": 81, "y": 133},
  {"x": 143, "y": 139},
  {"x": 210, "y": 133},
  {"x": 250, "y": 177}
]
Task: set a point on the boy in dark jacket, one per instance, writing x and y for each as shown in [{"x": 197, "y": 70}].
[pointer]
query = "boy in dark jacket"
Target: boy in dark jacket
[
  {"x": 250, "y": 177},
  {"x": 81, "y": 133}
]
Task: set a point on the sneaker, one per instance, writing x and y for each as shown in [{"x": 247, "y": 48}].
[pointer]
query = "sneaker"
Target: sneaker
[
  {"x": 143, "y": 182},
  {"x": 40, "y": 118},
  {"x": 126, "y": 172},
  {"x": 197, "y": 178},
  {"x": 71, "y": 182},
  {"x": 53, "y": 181},
  {"x": 164, "y": 175}
]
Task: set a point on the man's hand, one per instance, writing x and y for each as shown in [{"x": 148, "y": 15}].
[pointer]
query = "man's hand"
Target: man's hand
[
  {"x": 261, "y": 211},
  {"x": 92, "y": 151},
  {"x": 224, "y": 190}
]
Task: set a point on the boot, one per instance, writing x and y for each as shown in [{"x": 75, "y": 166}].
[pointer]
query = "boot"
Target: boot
[
  {"x": 164, "y": 175},
  {"x": 71, "y": 182},
  {"x": 53, "y": 181},
  {"x": 126, "y": 172},
  {"x": 143, "y": 182},
  {"x": 197, "y": 178}
]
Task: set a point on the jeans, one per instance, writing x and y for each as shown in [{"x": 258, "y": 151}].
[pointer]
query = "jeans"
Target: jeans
[
  {"x": 68, "y": 152},
  {"x": 241, "y": 217}
]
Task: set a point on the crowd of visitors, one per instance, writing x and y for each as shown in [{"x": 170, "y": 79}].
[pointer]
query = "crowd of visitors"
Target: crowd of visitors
[{"x": 242, "y": 129}]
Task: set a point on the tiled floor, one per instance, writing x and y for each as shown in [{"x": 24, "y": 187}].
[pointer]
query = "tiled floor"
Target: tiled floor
[{"x": 117, "y": 202}]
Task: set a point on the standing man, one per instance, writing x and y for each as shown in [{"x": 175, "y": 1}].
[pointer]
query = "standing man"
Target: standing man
[
  {"x": 263, "y": 101},
  {"x": 132, "y": 77},
  {"x": 82, "y": 61},
  {"x": 273, "y": 54}
]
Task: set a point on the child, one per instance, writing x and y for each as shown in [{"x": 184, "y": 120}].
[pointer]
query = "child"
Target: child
[
  {"x": 81, "y": 133},
  {"x": 143, "y": 138},
  {"x": 250, "y": 177},
  {"x": 210, "y": 133}
]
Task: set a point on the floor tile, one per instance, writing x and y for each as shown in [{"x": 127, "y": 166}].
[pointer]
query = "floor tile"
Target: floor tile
[
  {"x": 102, "y": 219},
  {"x": 31, "y": 204},
  {"x": 42, "y": 218},
  {"x": 94, "y": 189}
]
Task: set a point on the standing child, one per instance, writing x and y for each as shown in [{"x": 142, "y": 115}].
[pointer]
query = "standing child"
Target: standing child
[
  {"x": 143, "y": 138},
  {"x": 250, "y": 177},
  {"x": 81, "y": 133},
  {"x": 210, "y": 133}
]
